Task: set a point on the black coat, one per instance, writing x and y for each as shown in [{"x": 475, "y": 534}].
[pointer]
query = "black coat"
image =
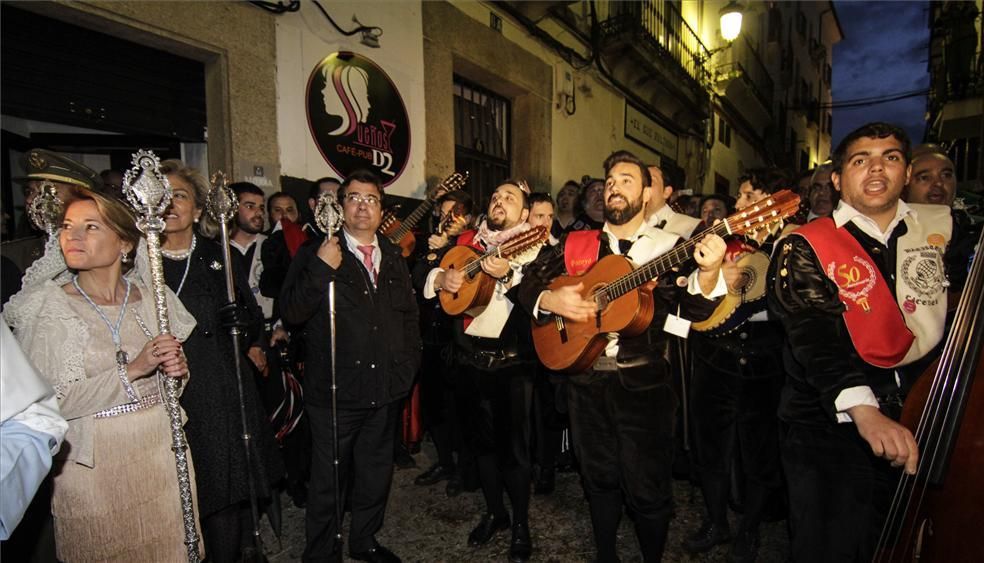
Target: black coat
[
  {"x": 211, "y": 399},
  {"x": 377, "y": 333}
]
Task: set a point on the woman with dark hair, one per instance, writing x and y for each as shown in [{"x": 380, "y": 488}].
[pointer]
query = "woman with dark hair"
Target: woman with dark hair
[
  {"x": 194, "y": 270},
  {"x": 89, "y": 325}
]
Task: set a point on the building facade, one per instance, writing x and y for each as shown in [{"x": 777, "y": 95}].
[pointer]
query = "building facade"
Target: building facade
[
  {"x": 955, "y": 105},
  {"x": 541, "y": 90}
]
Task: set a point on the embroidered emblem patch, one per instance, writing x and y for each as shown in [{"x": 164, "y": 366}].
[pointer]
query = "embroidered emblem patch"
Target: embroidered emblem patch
[
  {"x": 923, "y": 273},
  {"x": 936, "y": 240},
  {"x": 854, "y": 281}
]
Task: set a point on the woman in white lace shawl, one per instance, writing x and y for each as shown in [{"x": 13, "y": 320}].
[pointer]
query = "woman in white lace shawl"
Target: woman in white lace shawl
[{"x": 87, "y": 321}]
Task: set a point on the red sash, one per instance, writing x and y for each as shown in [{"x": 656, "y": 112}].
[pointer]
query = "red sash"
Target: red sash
[
  {"x": 467, "y": 238},
  {"x": 872, "y": 314},
  {"x": 581, "y": 251}
]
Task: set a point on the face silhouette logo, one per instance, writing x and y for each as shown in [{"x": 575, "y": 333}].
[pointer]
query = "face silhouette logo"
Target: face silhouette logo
[{"x": 357, "y": 117}]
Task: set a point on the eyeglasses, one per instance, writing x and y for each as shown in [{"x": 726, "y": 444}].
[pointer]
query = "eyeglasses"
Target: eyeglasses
[{"x": 368, "y": 199}]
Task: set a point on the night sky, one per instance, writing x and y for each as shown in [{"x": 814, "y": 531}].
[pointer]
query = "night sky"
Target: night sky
[{"x": 884, "y": 51}]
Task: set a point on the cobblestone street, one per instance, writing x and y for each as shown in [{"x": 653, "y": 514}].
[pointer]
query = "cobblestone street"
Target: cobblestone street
[{"x": 422, "y": 524}]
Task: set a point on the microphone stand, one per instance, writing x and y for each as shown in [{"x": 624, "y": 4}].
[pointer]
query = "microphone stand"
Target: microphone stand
[
  {"x": 328, "y": 217},
  {"x": 222, "y": 205}
]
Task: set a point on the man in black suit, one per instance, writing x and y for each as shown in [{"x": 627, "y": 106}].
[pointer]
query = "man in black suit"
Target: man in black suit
[
  {"x": 378, "y": 347},
  {"x": 623, "y": 408}
]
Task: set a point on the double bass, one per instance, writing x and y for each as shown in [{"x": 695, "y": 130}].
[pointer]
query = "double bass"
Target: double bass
[{"x": 937, "y": 514}]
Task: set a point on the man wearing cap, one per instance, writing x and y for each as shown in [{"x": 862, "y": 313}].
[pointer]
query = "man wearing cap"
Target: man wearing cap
[{"x": 61, "y": 171}]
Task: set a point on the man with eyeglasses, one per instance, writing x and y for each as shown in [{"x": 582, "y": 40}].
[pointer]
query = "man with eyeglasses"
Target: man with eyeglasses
[{"x": 378, "y": 352}]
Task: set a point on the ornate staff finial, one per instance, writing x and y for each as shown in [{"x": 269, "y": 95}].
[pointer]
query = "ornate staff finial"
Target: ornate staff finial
[
  {"x": 47, "y": 208},
  {"x": 147, "y": 190},
  {"x": 222, "y": 203},
  {"x": 328, "y": 214}
]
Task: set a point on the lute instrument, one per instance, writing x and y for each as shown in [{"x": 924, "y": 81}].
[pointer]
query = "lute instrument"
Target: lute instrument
[
  {"x": 623, "y": 293},
  {"x": 478, "y": 287},
  {"x": 743, "y": 300},
  {"x": 400, "y": 232}
]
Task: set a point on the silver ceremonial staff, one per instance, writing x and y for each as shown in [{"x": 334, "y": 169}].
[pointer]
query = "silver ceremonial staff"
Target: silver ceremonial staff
[
  {"x": 149, "y": 192},
  {"x": 328, "y": 216},
  {"x": 222, "y": 205}
]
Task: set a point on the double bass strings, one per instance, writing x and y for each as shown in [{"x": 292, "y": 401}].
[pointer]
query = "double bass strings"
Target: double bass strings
[{"x": 940, "y": 408}]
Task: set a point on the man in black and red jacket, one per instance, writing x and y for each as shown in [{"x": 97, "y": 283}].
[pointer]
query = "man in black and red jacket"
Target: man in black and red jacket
[
  {"x": 862, "y": 299},
  {"x": 623, "y": 409}
]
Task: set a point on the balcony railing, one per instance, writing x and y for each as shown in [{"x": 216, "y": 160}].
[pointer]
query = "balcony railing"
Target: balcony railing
[
  {"x": 748, "y": 59},
  {"x": 662, "y": 26}
]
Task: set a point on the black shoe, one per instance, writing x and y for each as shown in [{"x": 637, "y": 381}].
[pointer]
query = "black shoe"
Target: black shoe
[
  {"x": 435, "y": 474},
  {"x": 745, "y": 547},
  {"x": 298, "y": 495},
  {"x": 378, "y": 554},
  {"x": 546, "y": 482},
  {"x": 454, "y": 486},
  {"x": 521, "y": 546},
  {"x": 708, "y": 536},
  {"x": 404, "y": 460},
  {"x": 489, "y": 526}
]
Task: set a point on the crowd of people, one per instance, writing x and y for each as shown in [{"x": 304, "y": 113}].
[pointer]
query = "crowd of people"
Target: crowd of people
[{"x": 761, "y": 367}]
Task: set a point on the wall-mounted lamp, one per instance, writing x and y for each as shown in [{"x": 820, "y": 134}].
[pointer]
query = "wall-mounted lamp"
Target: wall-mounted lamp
[
  {"x": 731, "y": 21},
  {"x": 730, "y": 27}
]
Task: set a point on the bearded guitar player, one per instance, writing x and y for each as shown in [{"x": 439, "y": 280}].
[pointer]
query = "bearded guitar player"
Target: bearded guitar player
[
  {"x": 623, "y": 408},
  {"x": 494, "y": 383}
]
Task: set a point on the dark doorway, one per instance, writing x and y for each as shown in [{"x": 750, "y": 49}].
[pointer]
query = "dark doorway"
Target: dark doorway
[{"x": 85, "y": 93}]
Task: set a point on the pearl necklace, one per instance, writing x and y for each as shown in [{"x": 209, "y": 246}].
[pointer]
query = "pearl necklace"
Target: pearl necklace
[{"x": 182, "y": 255}]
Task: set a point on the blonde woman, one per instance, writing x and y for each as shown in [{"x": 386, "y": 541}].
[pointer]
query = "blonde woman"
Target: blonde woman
[{"x": 88, "y": 323}]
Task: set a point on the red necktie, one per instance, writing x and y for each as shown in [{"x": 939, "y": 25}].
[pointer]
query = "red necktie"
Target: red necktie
[{"x": 366, "y": 251}]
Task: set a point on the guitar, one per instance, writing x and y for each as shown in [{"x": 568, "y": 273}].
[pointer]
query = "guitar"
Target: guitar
[
  {"x": 624, "y": 294},
  {"x": 401, "y": 232},
  {"x": 478, "y": 287}
]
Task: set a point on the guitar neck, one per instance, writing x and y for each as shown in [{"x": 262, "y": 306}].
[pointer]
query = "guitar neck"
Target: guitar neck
[
  {"x": 509, "y": 248},
  {"x": 662, "y": 264},
  {"x": 411, "y": 221}
]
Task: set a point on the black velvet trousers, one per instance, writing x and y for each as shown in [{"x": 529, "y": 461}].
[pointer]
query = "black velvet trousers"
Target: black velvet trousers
[
  {"x": 839, "y": 493},
  {"x": 365, "y": 451},
  {"x": 495, "y": 405},
  {"x": 733, "y": 401},
  {"x": 624, "y": 440},
  {"x": 437, "y": 404}
]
